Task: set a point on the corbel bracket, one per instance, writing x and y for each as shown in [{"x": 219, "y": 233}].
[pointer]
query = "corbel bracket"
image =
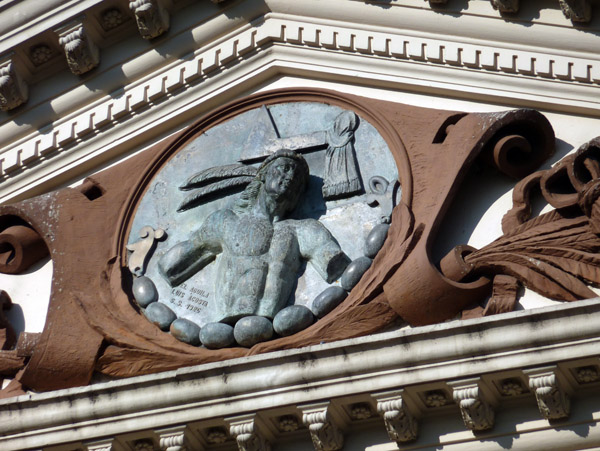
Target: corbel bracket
[
  {"x": 577, "y": 10},
  {"x": 401, "y": 425},
  {"x": 80, "y": 50},
  {"x": 248, "y": 433},
  {"x": 13, "y": 89},
  {"x": 475, "y": 404},
  {"x": 551, "y": 392},
  {"x": 151, "y": 17},
  {"x": 326, "y": 435},
  {"x": 506, "y": 6}
]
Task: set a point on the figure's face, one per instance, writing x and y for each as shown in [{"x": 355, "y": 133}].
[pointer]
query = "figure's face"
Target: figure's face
[{"x": 283, "y": 179}]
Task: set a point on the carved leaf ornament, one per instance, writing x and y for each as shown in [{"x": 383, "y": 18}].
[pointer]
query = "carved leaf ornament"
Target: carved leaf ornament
[{"x": 93, "y": 324}]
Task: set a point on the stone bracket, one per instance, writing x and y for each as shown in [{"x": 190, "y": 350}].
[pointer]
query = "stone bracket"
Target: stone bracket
[
  {"x": 475, "y": 403},
  {"x": 401, "y": 425},
  {"x": 325, "y": 430},
  {"x": 506, "y": 6},
  {"x": 13, "y": 89},
  {"x": 151, "y": 17},
  {"x": 80, "y": 50},
  {"x": 249, "y": 433},
  {"x": 178, "y": 438},
  {"x": 552, "y": 392},
  {"x": 577, "y": 10},
  {"x": 108, "y": 444}
]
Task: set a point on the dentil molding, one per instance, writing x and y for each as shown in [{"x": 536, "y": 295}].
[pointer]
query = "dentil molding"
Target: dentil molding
[{"x": 267, "y": 38}]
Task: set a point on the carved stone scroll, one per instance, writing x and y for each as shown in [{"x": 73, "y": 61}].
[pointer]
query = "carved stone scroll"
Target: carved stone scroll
[
  {"x": 577, "y": 10},
  {"x": 401, "y": 425},
  {"x": 551, "y": 392},
  {"x": 80, "y": 50},
  {"x": 20, "y": 247},
  {"x": 476, "y": 410},
  {"x": 248, "y": 433},
  {"x": 13, "y": 89},
  {"x": 325, "y": 434},
  {"x": 151, "y": 17}
]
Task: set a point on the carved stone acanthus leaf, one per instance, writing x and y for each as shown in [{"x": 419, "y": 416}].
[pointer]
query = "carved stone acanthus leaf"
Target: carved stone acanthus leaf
[
  {"x": 248, "y": 434},
  {"x": 151, "y": 17},
  {"x": 477, "y": 413},
  {"x": 325, "y": 435},
  {"x": 506, "y": 6},
  {"x": 80, "y": 50},
  {"x": 400, "y": 423},
  {"x": 577, "y": 10},
  {"x": 552, "y": 398},
  {"x": 13, "y": 90}
]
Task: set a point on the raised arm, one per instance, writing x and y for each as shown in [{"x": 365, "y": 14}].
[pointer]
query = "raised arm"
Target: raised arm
[
  {"x": 319, "y": 247},
  {"x": 185, "y": 259}
]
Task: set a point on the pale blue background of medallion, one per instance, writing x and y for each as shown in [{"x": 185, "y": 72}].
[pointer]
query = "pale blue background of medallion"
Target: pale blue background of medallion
[{"x": 349, "y": 220}]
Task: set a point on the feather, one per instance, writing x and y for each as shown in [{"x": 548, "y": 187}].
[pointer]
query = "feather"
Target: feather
[
  {"x": 205, "y": 193},
  {"x": 217, "y": 173}
]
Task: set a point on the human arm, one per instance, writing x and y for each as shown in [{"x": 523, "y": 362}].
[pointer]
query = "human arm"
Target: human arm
[
  {"x": 185, "y": 259},
  {"x": 319, "y": 247}
]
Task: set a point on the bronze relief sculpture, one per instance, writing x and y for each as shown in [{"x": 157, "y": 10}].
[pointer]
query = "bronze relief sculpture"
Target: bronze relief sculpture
[{"x": 555, "y": 253}]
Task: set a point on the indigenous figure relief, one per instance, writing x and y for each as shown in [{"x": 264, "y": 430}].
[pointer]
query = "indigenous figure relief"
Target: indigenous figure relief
[
  {"x": 248, "y": 257},
  {"x": 261, "y": 249}
]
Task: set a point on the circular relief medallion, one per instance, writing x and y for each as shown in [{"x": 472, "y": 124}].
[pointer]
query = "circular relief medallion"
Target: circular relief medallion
[{"x": 262, "y": 224}]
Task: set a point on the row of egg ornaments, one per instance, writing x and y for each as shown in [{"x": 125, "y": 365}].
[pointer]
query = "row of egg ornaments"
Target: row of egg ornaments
[{"x": 255, "y": 329}]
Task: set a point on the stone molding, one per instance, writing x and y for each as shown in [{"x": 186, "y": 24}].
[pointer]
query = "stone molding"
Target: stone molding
[
  {"x": 506, "y": 6},
  {"x": 276, "y": 34},
  {"x": 516, "y": 342}
]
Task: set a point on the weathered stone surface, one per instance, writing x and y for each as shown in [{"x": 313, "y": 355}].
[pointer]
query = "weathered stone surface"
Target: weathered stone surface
[
  {"x": 186, "y": 331},
  {"x": 252, "y": 329},
  {"x": 160, "y": 314},
  {"x": 327, "y": 300},
  {"x": 354, "y": 272},
  {"x": 375, "y": 239},
  {"x": 144, "y": 291},
  {"x": 217, "y": 335},
  {"x": 292, "y": 319}
]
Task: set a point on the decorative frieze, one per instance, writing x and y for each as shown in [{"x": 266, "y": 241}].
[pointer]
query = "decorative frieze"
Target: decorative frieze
[
  {"x": 177, "y": 79},
  {"x": 401, "y": 425},
  {"x": 80, "y": 50},
  {"x": 326, "y": 435},
  {"x": 249, "y": 433},
  {"x": 577, "y": 10},
  {"x": 475, "y": 407},
  {"x": 151, "y": 17},
  {"x": 551, "y": 392},
  {"x": 13, "y": 89}
]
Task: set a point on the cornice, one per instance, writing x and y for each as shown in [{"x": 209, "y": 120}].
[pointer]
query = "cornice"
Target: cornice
[
  {"x": 280, "y": 43},
  {"x": 498, "y": 359}
]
